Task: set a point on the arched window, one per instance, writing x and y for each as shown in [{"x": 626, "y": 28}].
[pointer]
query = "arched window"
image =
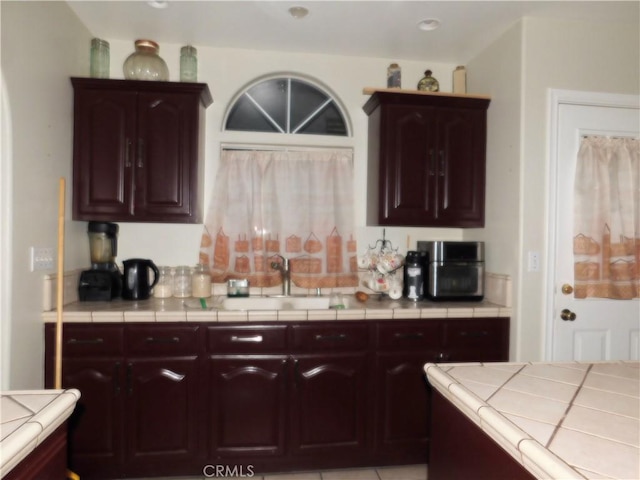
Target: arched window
[{"x": 287, "y": 103}]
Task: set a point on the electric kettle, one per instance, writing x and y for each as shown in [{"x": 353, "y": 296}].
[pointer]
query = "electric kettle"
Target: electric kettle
[{"x": 136, "y": 284}]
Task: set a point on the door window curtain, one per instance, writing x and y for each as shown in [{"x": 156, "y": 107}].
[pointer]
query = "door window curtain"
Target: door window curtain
[
  {"x": 297, "y": 204},
  {"x": 606, "y": 243}
]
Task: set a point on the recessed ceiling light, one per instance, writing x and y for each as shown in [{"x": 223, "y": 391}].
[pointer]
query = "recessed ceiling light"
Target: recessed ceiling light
[
  {"x": 158, "y": 4},
  {"x": 428, "y": 24},
  {"x": 298, "y": 12}
]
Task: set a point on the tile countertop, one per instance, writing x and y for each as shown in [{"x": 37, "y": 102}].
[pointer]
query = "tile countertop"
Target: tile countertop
[
  {"x": 559, "y": 420},
  {"x": 27, "y": 418},
  {"x": 179, "y": 309}
]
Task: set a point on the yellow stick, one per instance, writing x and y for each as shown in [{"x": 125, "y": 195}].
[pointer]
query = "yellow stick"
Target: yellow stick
[{"x": 60, "y": 286}]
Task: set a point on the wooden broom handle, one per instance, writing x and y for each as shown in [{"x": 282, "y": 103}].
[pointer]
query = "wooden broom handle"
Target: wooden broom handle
[{"x": 60, "y": 286}]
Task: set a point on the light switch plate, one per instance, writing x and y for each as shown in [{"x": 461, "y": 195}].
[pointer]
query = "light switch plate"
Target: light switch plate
[
  {"x": 42, "y": 258},
  {"x": 534, "y": 262}
]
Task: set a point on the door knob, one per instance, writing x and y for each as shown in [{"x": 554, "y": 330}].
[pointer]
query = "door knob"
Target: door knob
[
  {"x": 567, "y": 315},
  {"x": 567, "y": 289}
]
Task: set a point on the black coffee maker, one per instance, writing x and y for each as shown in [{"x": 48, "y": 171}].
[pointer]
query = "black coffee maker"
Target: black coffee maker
[{"x": 104, "y": 280}]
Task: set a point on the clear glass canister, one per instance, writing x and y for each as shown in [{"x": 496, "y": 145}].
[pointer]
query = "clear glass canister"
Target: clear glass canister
[
  {"x": 394, "y": 76},
  {"x": 164, "y": 287},
  {"x": 201, "y": 282},
  {"x": 188, "y": 64},
  {"x": 99, "y": 58},
  {"x": 182, "y": 282},
  {"x": 145, "y": 63}
]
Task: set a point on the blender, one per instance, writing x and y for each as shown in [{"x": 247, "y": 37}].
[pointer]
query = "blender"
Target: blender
[{"x": 103, "y": 281}]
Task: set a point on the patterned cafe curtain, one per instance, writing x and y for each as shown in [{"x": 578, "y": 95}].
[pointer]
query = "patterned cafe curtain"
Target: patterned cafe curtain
[
  {"x": 298, "y": 204},
  {"x": 606, "y": 242}
]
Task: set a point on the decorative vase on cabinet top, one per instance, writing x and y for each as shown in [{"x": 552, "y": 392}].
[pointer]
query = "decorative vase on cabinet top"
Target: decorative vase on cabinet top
[{"x": 145, "y": 63}]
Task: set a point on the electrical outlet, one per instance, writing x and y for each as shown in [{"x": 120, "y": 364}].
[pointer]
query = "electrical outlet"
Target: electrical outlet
[
  {"x": 534, "y": 261},
  {"x": 42, "y": 258}
]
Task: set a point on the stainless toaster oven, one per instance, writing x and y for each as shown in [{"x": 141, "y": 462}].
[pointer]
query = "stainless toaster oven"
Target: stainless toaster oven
[{"x": 453, "y": 270}]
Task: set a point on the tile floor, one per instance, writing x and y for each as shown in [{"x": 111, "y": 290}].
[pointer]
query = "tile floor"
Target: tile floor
[{"x": 405, "y": 472}]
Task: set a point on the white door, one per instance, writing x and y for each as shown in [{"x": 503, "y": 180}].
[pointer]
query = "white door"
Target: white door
[{"x": 585, "y": 329}]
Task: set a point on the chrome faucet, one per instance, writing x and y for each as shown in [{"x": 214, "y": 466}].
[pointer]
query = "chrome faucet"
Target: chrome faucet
[{"x": 283, "y": 268}]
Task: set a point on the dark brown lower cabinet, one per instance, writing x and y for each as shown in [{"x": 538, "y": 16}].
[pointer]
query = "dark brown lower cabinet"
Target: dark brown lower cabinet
[
  {"x": 329, "y": 406},
  {"x": 460, "y": 449},
  {"x": 48, "y": 461},
  {"x": 247, "y": 406},
  {"x": 170, "y": 399}
]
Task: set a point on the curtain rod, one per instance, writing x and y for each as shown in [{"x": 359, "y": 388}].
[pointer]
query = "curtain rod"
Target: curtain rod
[{"x": 280, "y": 147}]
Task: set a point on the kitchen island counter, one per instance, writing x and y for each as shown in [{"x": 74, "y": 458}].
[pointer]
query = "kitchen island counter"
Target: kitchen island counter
[
  {"x": 28, "y": 418},
  {"x": 557, "y": 420},
  {"x": 178, "y": 309}
]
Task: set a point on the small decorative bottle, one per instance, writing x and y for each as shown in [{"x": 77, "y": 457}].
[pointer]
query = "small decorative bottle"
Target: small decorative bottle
[
  {"x": 145, "y": 63},
  {"x": 201, "y": 282},
  {"x": 394, "y": 76},
  {"x": 428, "y": 83},
  {"x": 188, "y": 64},
  {"x": 99, "y": 58}
]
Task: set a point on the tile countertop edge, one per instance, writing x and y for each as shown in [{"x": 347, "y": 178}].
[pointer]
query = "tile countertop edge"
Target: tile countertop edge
[
  {"x": 534, "y": 457},
  {"x": 161, "y": 311},
  {"x": 18, "y": 444}
]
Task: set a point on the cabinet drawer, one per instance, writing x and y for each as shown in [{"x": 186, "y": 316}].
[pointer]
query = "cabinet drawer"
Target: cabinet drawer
[
  {"x": 88, "y": 340},
  {"x": 330, "y": 337},
  {"x": 409, "y": 335},
  {"x": 246, "y": 339},
  {"x": 158, "y": 340},
  {"x": 475, "y": 333}
]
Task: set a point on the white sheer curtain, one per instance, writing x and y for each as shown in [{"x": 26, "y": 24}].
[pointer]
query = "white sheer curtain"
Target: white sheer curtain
[
  {"x": 607, "y": 218},
  {"x": 298, "y": 204}
]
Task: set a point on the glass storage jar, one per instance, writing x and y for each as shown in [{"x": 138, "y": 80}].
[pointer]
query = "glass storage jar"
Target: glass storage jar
[
  {"x": 145, "y": 63},
  {"x": 188, "y": 64},
  {"x": 201, "y": 282},
  {"x": 182, "y": 282},
  {"x": 164, "y": 287},
  {"x": 99, "y": 58}
]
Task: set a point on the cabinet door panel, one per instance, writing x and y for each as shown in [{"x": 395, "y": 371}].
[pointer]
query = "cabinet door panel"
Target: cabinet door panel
[
  {"x": 162, "y": 411},
  {"x": 329, "y": 404},
  {"x": 95, "y": 427},
  {"x": 247, "y": 405},
  {"x": 402, "y": 406},
  {"x": 409, "y": 167},
  {"x": 104, "y": 136},
  {"x": 166, "y": 159},
  {"x": 461, "y": 167}
]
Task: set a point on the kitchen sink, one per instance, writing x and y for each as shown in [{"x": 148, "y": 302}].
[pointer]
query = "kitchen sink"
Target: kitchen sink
[{"x": 275, "y": 303}]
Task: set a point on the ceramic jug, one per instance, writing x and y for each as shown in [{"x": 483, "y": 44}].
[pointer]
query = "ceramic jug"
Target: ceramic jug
[{"x": 136, "y": 278}]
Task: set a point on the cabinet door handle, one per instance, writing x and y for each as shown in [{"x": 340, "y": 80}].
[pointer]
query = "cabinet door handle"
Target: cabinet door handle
[
  {"x": 116, "y": 379},
  {"x": 442, "y": 163},
  {"x": 141, "y": 153},
  {"x": 129, "y": 378},
  {"x": 410, "y": 335},
  {"x": 162, "y": 340},
  {"x": 296, "y": 371},
  {"x": 331, "y": 337},
  {"x": 432, "y": 162},
  {"x": 127, "y": 153},
  {"x": 474, "y": 333},
  {"x": 85, "y": 341},
  {"x": 254, "y": 339}
]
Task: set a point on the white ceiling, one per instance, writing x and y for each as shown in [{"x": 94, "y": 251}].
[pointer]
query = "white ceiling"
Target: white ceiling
[{"x": 385, "y": 29}]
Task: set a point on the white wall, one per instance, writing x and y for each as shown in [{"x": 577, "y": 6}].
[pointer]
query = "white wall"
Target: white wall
[
  {"x": 498, "y": 71},
  {"x": 42, "y": 45},
  {"x": 518, "y": 70}
]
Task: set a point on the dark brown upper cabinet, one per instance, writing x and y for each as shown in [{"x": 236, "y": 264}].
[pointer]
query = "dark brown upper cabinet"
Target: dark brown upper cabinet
[
  {"x": 426, "y": 159},
  {"x": 137, "y": 150}
]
